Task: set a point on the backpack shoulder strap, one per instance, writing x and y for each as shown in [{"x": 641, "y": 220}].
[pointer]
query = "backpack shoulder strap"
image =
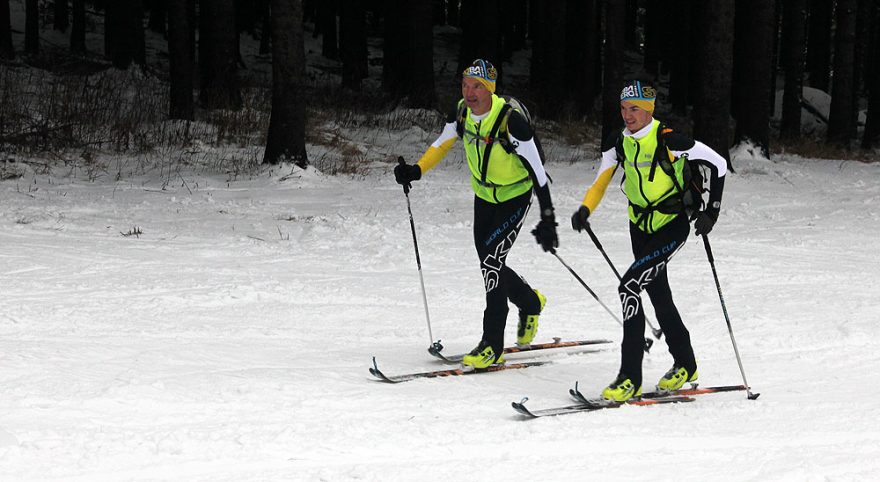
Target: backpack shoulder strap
[
  {"x": 493, "y": 133},
  {"x": 459, "y": 118}
]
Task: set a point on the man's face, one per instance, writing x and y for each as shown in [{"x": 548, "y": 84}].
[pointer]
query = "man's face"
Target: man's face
[
  {"x": 476, "y": 95},
  {"x": 634, "y": 116}
]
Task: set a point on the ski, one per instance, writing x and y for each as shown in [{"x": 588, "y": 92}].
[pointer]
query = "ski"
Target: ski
[
  {"x": 556, "y": 343},
  {"x": 593, "y": 406},
  {"x": 687, "y": 392},
  {"x": 452, "y": 372}
]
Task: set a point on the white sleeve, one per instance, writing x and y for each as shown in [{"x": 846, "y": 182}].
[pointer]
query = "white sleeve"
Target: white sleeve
[
  {"x": 702, "y": 151},
  {"x": 528, "y": 150}
]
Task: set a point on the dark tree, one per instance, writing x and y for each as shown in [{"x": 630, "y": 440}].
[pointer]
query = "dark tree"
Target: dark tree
[
  {"x": 218, "y": 56},
  {"x": 420, "y": 60},
  {"x": 7, "y": 52},
  {"x": 452, "y": 12},
  {"x": 582, "y": 53},
  {"x": 755, "y": 26},
  {"x": 712, "y": 105},
  {"x": 860, "y": 53},
  {"x": 78, "y": 32},
  {"x": 549, "y": 68},
  {"x": 61, "y": 18},
  {"x": 124, "y": 28},
  {"x": 614, "y": 16},
  {"x": 794, "y": 20},
  {"x": 872, "y": 123},
  {"x": 327, "y": 25},
  {"x": 516, "y": 21},
  {"x": 159, "y": 11},
  {"x": 481, "y": 34},
  {"x": 681, "y": 55},
  {"x": 841, "y": 120},
  {"x": 286, "y": 140},
  {"x": 654, "y": 35},
  {"x": 394, "y": 46},
  {"x": 353, "y": 43},
  {"x": 32, "y": 27},
  {"x": 819, "y": 43},
  {"x": 181, "y": 52},
  {"x": 632, "y": 24},
  {"x": 266, "y": 29}
]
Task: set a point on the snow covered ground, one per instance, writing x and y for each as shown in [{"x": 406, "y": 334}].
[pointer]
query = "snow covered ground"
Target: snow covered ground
[{"x": 230, "y": 340}]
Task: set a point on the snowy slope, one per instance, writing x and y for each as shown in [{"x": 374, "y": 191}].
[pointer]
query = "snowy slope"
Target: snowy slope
[{"x": 231, "y": 339}]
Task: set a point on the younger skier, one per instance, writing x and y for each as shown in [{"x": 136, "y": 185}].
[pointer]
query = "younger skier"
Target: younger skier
[{"x": 653, "y": 160}]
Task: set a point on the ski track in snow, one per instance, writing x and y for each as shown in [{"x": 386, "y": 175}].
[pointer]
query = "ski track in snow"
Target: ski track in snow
[{"x": 231, "y": 339}]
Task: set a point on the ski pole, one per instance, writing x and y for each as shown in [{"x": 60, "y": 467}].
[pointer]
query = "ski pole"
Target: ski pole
[
  {"x": 435, "y": 345},
  {"x": 656, "y": 331},
  {"x": 749, "y": 393},
  {"x": 648, "y": 341}
]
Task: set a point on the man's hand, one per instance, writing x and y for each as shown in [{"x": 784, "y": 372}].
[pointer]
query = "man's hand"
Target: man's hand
[{"x": 580, "y": 220}]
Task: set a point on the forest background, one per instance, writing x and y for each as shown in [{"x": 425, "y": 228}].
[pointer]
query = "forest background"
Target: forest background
[{"x": 720, "y": 66}]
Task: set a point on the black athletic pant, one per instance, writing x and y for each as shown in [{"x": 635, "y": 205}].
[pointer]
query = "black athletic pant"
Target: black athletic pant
[
  {"x": 496, "y": 227},
  {"x": 648, "y": 272}
]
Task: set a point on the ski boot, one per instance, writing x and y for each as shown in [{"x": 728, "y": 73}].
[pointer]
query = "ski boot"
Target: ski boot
[
  {"x": 621, "y": 390},
  {"x": 675, "y": 378},
  {"x": 528, "y": 324},
  {"x": 483, "y": 356}
]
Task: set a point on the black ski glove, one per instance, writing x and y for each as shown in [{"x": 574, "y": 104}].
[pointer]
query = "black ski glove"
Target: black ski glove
[
  {"x": 705, "y": 221},
  {"x": 580, "y": 220},
  {"x": 545, "y": 232},
  {"x": 404, "y": 173}
]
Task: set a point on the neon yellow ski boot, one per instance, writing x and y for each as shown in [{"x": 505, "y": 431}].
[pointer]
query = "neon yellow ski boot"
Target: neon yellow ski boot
[
  {"x": 483, "y": 356},
  {"x": 675, "y": 378},
  {"x": 621, "y": 390},
  {"x": 528, "y": 324}
]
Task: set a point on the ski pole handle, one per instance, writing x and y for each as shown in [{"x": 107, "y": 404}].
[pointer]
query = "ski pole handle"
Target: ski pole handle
[{"x": 407, "y": 186}]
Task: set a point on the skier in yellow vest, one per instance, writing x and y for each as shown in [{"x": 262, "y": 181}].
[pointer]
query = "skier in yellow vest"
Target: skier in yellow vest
[
  {"x": 653, "y": 160},
  {"x": 506, "y": 168}
]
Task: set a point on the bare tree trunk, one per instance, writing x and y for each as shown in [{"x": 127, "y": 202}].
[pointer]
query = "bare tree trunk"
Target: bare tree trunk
[
  {"x": 794, "y": 23},
  {"x": 327, "y": 21},
  {"x": 7, "y": 51},
  {"x": 615, "y": 38},
  {"x": 841, "y": 125},
  {"x": 394, "y": 45},
  {"x": 181, "y": 61},
  {"x": 353, "y": 43},
  {"x": 78, "y": 32},
  {"x": 286, "y": 140},
  {"x": 755, "y": 26},
  {"x": 159, "y": 16},
  {"x": 681, "y": 53},
  {"x": 872, "y": 123},
  {"x": 421, "y": 56},
  {"x": 819, "y": 43},
  {"x": 61, "y": 18},
  {"x": 218, "y": 55},
  {"x": 32, "y": 27},
  {"x": 452, "y": 12},
  {"x": 124, "y": 33},
  {"x": 712, "y": 106},
  {"x": 583, "y": 54}
]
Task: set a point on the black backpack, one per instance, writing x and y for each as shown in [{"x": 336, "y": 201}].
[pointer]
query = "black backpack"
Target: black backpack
[{"x": 690, "y": 194}]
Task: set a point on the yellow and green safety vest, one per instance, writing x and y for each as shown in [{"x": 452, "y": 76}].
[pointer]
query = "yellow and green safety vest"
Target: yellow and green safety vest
[
  {"x": 646, "y": 184},
  {"x": 505, "y": 176}
]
